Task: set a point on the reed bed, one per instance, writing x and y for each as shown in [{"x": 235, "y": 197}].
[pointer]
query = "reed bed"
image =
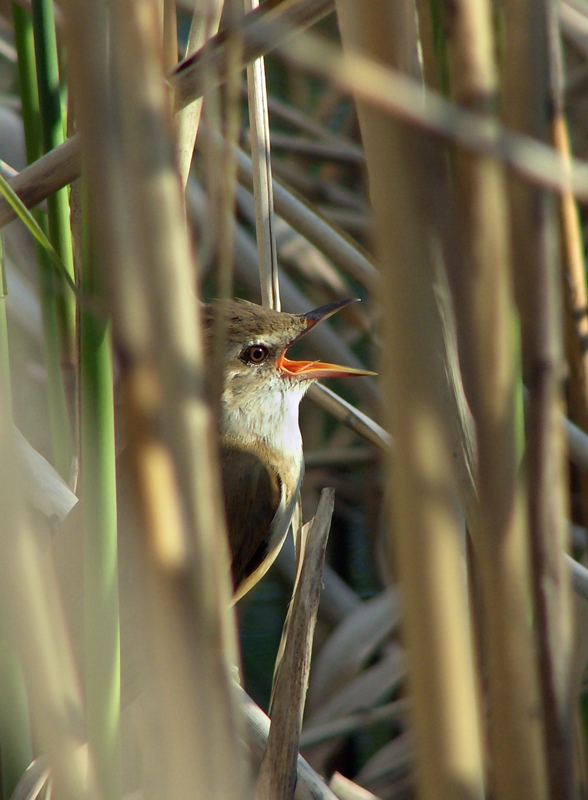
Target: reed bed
[{"x": 424, "y": 632}]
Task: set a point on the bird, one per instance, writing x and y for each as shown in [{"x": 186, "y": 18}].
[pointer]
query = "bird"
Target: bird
[{"x": 261, "y": 456}]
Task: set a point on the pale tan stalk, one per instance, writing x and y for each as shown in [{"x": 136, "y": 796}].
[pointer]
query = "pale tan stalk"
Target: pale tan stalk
[
  {"x": 426, "y": 523},
  {"x": 262, "y": 179},
  {"x": 531, "y": 75},
  {"x": 147, "y": 259},
  {"x": 500, "y": 529},
  {"x": 575, "y": 301},
  {"x": 166, "y": 273},
  {"x": 221, "y": 182}
]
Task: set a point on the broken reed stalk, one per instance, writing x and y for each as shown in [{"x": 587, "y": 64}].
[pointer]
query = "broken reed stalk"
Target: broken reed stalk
[
  {"x": 155, "y": 325},
  {"x": 309, "y": 785},
  {"x": 531, "y": 74},
  {"x": 499, "y": 527},
  {"x": 441, "y": 675},
  {"x": 205, "y": 23},
  {"x": 278, "y": 773},
  {"x": 261, "y": 30}
]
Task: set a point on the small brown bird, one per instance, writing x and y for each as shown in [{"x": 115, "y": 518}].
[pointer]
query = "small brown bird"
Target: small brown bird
[{"x": 261, "y": 446}]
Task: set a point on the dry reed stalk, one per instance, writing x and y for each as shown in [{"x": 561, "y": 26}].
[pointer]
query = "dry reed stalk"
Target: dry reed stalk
[
  {"x": 500, "y": 526},
  {"x": 426, "y": 523},
  {"x": 337, "y": 599},
  {"x": 223, "y": 113},
  {"x": 148, "y": 263},
  {"x": 574, "y": 289},
  {"x": 529, "y": 85},
  {"x": 309, "y": 785},
  {"x": 575, "y": 297},
  {"x": 262, "y": 179},
  {"x": 278, "y": 773},
  {"x": 51, "y": 172}
]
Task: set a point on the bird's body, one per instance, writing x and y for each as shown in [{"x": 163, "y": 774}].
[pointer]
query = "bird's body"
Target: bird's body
[{"x": 261, "y": 446}]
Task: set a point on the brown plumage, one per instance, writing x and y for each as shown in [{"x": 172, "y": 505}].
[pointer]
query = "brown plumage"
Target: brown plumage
[{"x": 261, "y": 447}]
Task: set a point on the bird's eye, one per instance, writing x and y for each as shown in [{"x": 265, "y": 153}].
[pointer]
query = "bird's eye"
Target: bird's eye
[{"x": 255, "y": 354}]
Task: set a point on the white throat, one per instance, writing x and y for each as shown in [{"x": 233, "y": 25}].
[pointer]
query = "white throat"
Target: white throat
[{"x": 269, "y": 416}]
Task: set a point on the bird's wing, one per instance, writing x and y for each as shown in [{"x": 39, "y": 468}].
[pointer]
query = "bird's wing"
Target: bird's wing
[{"x": 253, "y": 493}]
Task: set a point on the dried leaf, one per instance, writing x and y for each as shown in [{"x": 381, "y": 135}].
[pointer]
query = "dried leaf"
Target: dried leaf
[
  {"x": 349, "y": 647},
  {"x": 44, "y": 488}
]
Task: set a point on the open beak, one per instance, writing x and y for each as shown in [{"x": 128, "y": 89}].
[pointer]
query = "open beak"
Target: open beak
[{"x": 314, "y": 370}]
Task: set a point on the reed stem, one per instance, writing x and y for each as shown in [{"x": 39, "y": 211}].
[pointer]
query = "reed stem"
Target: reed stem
[
  {"x": 61, "y": 435},
  {"x": 52, "y": 135},
  {"x": 97, "y": 449}
]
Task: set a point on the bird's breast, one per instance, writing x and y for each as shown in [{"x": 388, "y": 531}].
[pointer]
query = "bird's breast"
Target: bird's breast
[{"x": 262, "y": 465}]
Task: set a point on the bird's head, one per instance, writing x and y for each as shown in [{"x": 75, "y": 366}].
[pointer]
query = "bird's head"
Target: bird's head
[
  {"x": 262, "y": 386},
  {"x": 257, "y": 340}
]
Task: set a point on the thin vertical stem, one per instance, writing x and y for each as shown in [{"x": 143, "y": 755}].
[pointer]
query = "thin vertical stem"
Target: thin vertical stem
[
  {"x": 52, "y": 135},
  {"x": 427, "y": 531},
  {"x": 61, "y": 435},
  {"x": 227, "y": 181},
  {"x": 98, "y": 485},
  {"x": 262, "y": 179},
  {"x": 533, "y": 86},
  {"x": 500, "y": 527}
]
